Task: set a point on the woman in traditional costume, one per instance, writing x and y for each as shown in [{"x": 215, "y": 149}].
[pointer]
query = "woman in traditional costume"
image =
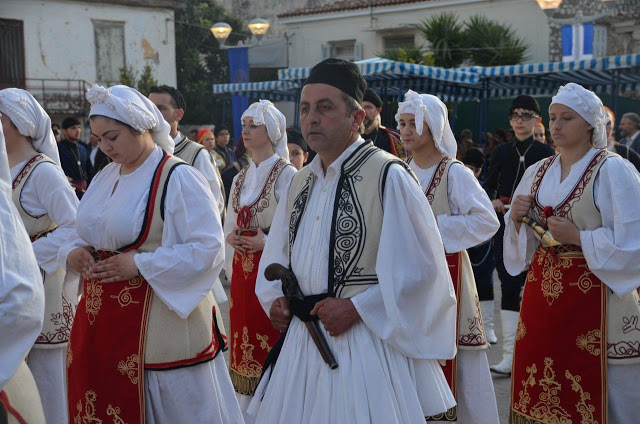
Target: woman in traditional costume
[
  {"x": 465, "y": 218},
  {"x": 21, "y": 308},
  {"x": 147, "y": 339},
  {"x": 47, "y": 205},
  {"x": 576, "y": 352},
  {"x": 255, "y": 193}
]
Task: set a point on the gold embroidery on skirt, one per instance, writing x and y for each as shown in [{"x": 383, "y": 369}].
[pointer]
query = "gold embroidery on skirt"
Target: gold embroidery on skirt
[
  {"x": 130, "y": 367},
  {"x": 589, "y": 342},
  {"x": 521, "y": 330},
  {"x": 93, "y": 300},
  {"x": 124, "y": 298},
  {"x": 585, "y": 283},
  {"x": 525, "y": 398},
  {"x": 115, "y": 412},
  {"x": 552, "y": 276},
  {"x": 69, "y": 356},
  {"x": 584, "y": 409},
  {"x": 89, "y": 410},
  {"x": 548, "y": 407},
  {"x": 264, "y": 341}
]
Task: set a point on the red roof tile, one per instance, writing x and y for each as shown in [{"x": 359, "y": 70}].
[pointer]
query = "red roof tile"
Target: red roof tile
[{"x": 343, "y": 5}]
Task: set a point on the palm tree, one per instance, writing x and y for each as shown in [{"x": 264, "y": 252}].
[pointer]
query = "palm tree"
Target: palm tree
[
  {"x": 446, "y": 37},
  {"x": 491, "y": 43}
]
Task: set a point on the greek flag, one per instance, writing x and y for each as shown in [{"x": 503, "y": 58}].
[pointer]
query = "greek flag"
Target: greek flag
[{"x": 577, "y": 42}]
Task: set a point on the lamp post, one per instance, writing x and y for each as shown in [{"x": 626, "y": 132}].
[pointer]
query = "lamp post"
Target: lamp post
[{"x": 239, "y": 63}]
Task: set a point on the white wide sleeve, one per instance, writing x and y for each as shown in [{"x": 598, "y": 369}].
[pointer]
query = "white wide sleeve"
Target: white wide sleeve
[
  {"x": 205, "y": 166},
  {"x": 230, "y": 223},
  {"x": 612, "y": 251},
  {"x": 52, "y": 192},
  {"x": 473, "y": 220},
  {"x": 519, "y": 247},
  {"x": 276, "y": 250},
  {"x": 413, "y": 307},
  {"x": 21, "y": 292},
  {"x": 183, "y": 270}
]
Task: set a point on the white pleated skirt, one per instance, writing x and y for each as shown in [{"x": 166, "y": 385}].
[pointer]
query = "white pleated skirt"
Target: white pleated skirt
[
  {"x": 199, "y": 394},
  {"x": 374, "y": 383}
]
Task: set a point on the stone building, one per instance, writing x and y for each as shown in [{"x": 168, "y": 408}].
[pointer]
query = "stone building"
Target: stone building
[
  {"x": 57, "y": 49},
  {"x": 616, "y": 25}
]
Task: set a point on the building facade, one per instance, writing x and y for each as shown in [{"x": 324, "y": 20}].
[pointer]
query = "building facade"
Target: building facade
[
  {"x": 362, "y": 29},
  {"x": 57, "y": 49}
]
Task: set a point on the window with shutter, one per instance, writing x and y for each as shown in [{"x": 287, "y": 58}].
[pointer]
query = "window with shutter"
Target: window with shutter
[
  {"x": 11, "y": 54},
  {"x": 109, "y": 40},
  {"x": 599, "y": 41},
  {"x": 344, "y": 50}
]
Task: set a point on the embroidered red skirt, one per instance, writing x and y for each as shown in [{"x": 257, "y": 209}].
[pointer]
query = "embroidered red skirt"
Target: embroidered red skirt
[
  {"x": 560, "y": 363},
  {"x": 450, "y": 367},
  {"x": 105, "y": 358},
  {"x": 252, "y": 334}
]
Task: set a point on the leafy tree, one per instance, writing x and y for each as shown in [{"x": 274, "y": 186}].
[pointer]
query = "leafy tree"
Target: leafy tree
[
  {"x": 446, "y": 37},
  {"x": 147, "y": 80},
  {"x": 200, "y": 62},
  {"x": 491, "y": 43},
  {"x": 128, "y": 76}
]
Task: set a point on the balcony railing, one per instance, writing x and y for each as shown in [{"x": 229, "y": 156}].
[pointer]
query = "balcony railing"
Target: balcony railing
[{"x": 57, "y": 96}]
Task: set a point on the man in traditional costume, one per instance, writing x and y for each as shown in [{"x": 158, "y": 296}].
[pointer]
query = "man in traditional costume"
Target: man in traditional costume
[
  {"x": 147, "y": 340},
  {"x": 465, "y": 218},
  {"x": 47, "y": 205},
  {"x": 21, "y": 309},
  {"x": 577, "y": 350},
  {"x": 358, "y": 233},
  {"x": 257, "y": 191},
  {"x": 507, "y": 165},
  {"x": 172, "y": 106},
  {"x": 382, "y": 137}
]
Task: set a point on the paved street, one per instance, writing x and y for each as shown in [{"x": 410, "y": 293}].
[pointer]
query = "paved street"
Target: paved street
[{"x": 502, "y": 385}]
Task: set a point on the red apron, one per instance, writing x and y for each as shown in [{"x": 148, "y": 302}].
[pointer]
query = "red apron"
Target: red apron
[{"x": 560, "y": 363}]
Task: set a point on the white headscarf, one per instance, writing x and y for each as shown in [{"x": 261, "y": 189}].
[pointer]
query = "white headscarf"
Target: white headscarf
[
  {"x": 128, "y": 105},
  {"x": 430, "y": 109},
  {"x": 265, "y": 113},
  {"x": 588, "y": 105},
  {"x": 31, "y": 120}
]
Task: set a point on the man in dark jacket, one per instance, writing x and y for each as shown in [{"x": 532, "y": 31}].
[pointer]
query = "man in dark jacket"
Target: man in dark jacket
[
  {"x": 613, "y": 146},
  {"x": 382, "y": 137},
  {"x": 73, "y": 156}
]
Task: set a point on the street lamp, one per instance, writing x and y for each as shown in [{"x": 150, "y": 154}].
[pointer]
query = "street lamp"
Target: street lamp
[
  {"x": 221, "y": 31},
  {"x": 259, "y": 27},
  {"x": 549, "y": 4}
]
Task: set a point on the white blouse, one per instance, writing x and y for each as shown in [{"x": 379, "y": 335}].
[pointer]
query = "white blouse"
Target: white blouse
[
  {"x": 611, "y": 251},
  {"x": 47, "y": 191},
  {"x": 183, "y": 270},
  {"x": 254, "y": 181},
  {"x": 473, "y": 219},
  {"x": 413, "y": 307}
]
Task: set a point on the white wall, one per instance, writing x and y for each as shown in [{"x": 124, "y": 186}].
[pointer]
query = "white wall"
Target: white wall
[
  {"x": 308, "y": 33},
  {"x": 59, "y": 37}
]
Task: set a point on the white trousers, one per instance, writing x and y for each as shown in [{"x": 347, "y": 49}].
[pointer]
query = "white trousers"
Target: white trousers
[
  {"x": 48, "y": 367},
  {"x": 476, "y": 397},
  {"x": 623, "y": 386}
]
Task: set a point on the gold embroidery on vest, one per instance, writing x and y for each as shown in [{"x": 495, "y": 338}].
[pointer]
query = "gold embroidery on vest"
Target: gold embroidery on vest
[
  {"x": 115, "y": 412},
  {"x": 124, "y": 298},
  {"x": 89, "y": 410},
  {"x": 130, "y": 367},
  {"x": 548, "y": 407},
  {"x": 590, "y": 342},
  {"x": 583, "y": 408},
  {"x": 93, "y": 300}
]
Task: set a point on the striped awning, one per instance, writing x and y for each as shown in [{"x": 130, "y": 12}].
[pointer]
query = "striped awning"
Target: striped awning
[{"x": 269, "y": 90}]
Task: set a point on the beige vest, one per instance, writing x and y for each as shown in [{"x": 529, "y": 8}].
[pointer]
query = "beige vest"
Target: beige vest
[
  {"x": 263, "y": 208},
  {"x": 172, "y": 341},
  {"x": 623, "y": 336},
  {"x": 23, "y": 397},
  {"x": 471, "y": 335},
  {"x": 58, "y": 311},
  {"x": 357, "y": 217},
  {"x": 188, "y": 150}
]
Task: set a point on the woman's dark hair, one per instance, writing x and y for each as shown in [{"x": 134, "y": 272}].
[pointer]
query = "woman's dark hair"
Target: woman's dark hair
[{"x": 133, "y": 130}]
